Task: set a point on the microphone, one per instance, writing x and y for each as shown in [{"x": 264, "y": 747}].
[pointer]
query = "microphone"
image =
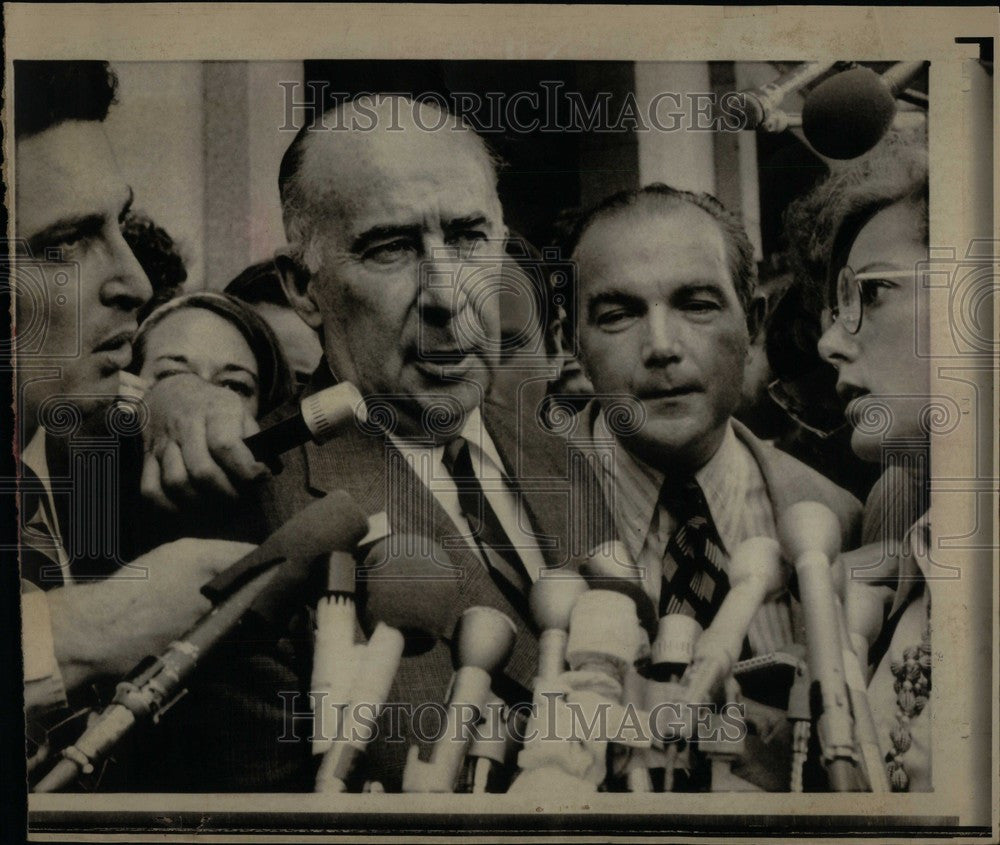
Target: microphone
[
  {"x": 759, "y": 108},
  {"x": 483, "y": 642},
  {"x": 755, "y": 575},
  {"x": 398, "y": 620},
  {"x": 608, "y": 567},
  {"x": 846, "y": 115},
  {"x": 156, "y": 683},
  {"x": 335, "y": 657},
  {"x": 551, "y": 601},
  {"x": 810, "y": 538},
  {"x": 485, "y": 763},
  {"x": 319, "y": 417}
]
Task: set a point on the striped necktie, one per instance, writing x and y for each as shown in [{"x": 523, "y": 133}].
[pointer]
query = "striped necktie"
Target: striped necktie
[
  {"x": 694, "y": 579},
  {"x": 503, "y": 561}
]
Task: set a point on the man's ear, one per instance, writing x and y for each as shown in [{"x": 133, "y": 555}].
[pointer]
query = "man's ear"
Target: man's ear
[
  {"x": 295, "y": 282},
  {"x": 756, "y": 313}
]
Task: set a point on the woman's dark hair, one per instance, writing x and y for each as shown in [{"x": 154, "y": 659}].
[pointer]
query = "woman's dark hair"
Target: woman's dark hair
[
  {"x": 822, "y": 226},
  {"x": 274, "y": 375}
]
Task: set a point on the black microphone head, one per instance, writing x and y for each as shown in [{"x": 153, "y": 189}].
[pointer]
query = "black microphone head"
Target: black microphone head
[
  {"x": 329, "y": 524},
  {"x": 848, "y": 114},
  {"x": 413, "y": 592}
]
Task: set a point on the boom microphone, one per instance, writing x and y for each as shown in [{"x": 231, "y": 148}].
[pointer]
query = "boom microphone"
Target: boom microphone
[
  {"x": 398, "y": 620},
  {"x": 848, "y": 114},
  {"x": 318, "y": 418},
  {"x": 333, "y": 522},
  {"x": 760, "y": 108}
]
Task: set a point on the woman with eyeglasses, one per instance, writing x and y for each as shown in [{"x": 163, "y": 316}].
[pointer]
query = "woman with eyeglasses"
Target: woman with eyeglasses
[{"x": 869, "y": 222}]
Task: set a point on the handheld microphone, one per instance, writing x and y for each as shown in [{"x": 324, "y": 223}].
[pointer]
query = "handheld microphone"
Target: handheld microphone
[
  {"x": 483, "y": 642},
  {"x": 810, "y": 538},
  {"x": 151, "y": 688},
  {"x": 318, "y": 418},
  {"x": 398, "y": 620},
  {"x": 848, "y": 114},
  {"x": 551, "y": 601},
  {"x": 760, "y": 108}
]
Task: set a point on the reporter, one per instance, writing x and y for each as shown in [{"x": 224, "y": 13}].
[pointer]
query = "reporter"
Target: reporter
[{"x": 871, "y": 218}]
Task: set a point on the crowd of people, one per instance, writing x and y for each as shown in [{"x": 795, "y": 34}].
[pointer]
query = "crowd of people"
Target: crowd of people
[{"x": 665, "y": 311}]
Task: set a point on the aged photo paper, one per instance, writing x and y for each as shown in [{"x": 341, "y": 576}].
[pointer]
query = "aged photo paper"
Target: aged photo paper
[{"x": 502, "y": 421}]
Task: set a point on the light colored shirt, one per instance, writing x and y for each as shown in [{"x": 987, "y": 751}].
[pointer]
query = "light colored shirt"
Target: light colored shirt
[
  {"x": 427, "y": 462},
  {"x": 737, "y": 499},
  {"x": 43, "y": 684}
]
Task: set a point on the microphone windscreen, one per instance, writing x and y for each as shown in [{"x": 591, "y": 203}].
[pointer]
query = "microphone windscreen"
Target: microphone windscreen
[
  {"x": 608, "y": 567},
  {"x": 848, "y": 114},
  {"x": 332, "y": 523},
  {"x": 415, "y": 593}
]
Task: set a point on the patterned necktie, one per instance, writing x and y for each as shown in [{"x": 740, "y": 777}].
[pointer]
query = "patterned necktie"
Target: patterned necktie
[
  {"x": 503, "y": 562},
  {"x": 694, "y": 580}
]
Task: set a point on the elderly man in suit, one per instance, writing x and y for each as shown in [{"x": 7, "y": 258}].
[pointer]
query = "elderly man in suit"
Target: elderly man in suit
[
  {"x": 666, "y": 314},
  {"x": 395, "y": 248}
]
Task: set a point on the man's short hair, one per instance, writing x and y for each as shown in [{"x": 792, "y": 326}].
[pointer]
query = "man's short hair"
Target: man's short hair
[
  {"x": 49, "y": 93},
  {"x": 258, "y": 284},
  {"x": 297, "y": 207},
  {"x": 742, "y": 266}
]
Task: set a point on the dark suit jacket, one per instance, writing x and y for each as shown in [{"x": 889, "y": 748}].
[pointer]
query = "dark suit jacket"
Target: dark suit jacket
[{"x": 224, "y": 735}]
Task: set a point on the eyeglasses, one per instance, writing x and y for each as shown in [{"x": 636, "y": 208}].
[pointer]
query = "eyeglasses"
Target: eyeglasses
[{"x": 852, "y": 291}]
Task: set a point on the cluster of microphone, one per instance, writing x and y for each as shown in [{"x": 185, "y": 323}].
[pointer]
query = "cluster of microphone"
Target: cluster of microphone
[{"x": 604, "y": 656}]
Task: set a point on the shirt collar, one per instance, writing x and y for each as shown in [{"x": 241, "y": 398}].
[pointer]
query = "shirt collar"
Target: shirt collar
[
  {"x": 723, "y": 480},
  {"x": 637, "y": 486},
  {"x": 486, "y": 460}
]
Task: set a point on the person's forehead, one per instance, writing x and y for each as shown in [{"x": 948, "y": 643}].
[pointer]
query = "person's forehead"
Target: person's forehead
[
  {"x": 65, "y": 172},
  {"x": 892, "y": 236},
  {"x": 653, "y": 246},
  {"x": 200, "y": 329},
  {"x": 376, "y": 178}
]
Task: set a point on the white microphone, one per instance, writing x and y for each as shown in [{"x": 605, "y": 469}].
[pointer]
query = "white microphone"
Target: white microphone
[
  {"x": 318, "y": 418},
  {"x": 755, "y": 575},
  {"x": 810, "y": 538},
  {"x": 483, "y": 642}
]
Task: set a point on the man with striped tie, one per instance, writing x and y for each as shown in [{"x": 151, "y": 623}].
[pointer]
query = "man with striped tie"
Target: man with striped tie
[{"x": 665, "y": 318}]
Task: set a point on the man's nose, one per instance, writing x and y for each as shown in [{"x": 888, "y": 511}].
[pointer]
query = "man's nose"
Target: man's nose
[
  {"x": 663, "y": 342},
  {"x": 836, "y": 346},
  {"x": 443, "y": 285},
  {"x": 127, "y": 287}
]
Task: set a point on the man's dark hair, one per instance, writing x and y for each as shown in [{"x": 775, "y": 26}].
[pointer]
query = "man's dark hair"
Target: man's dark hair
[
  {"x": 742, "y": 266},
  {"x": 158, "y": 255},
  {"x": 49, "y": 93},
  {"x": 258, "y": 284}
]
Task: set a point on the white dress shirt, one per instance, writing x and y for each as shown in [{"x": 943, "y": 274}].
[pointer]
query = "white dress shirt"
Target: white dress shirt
[
  {"x": 737, "y": 499},
  {"x": 426, "y": 460}
]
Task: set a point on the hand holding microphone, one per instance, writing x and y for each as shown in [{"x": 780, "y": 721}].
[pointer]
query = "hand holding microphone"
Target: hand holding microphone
[{"x": 333, "y": 522}]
